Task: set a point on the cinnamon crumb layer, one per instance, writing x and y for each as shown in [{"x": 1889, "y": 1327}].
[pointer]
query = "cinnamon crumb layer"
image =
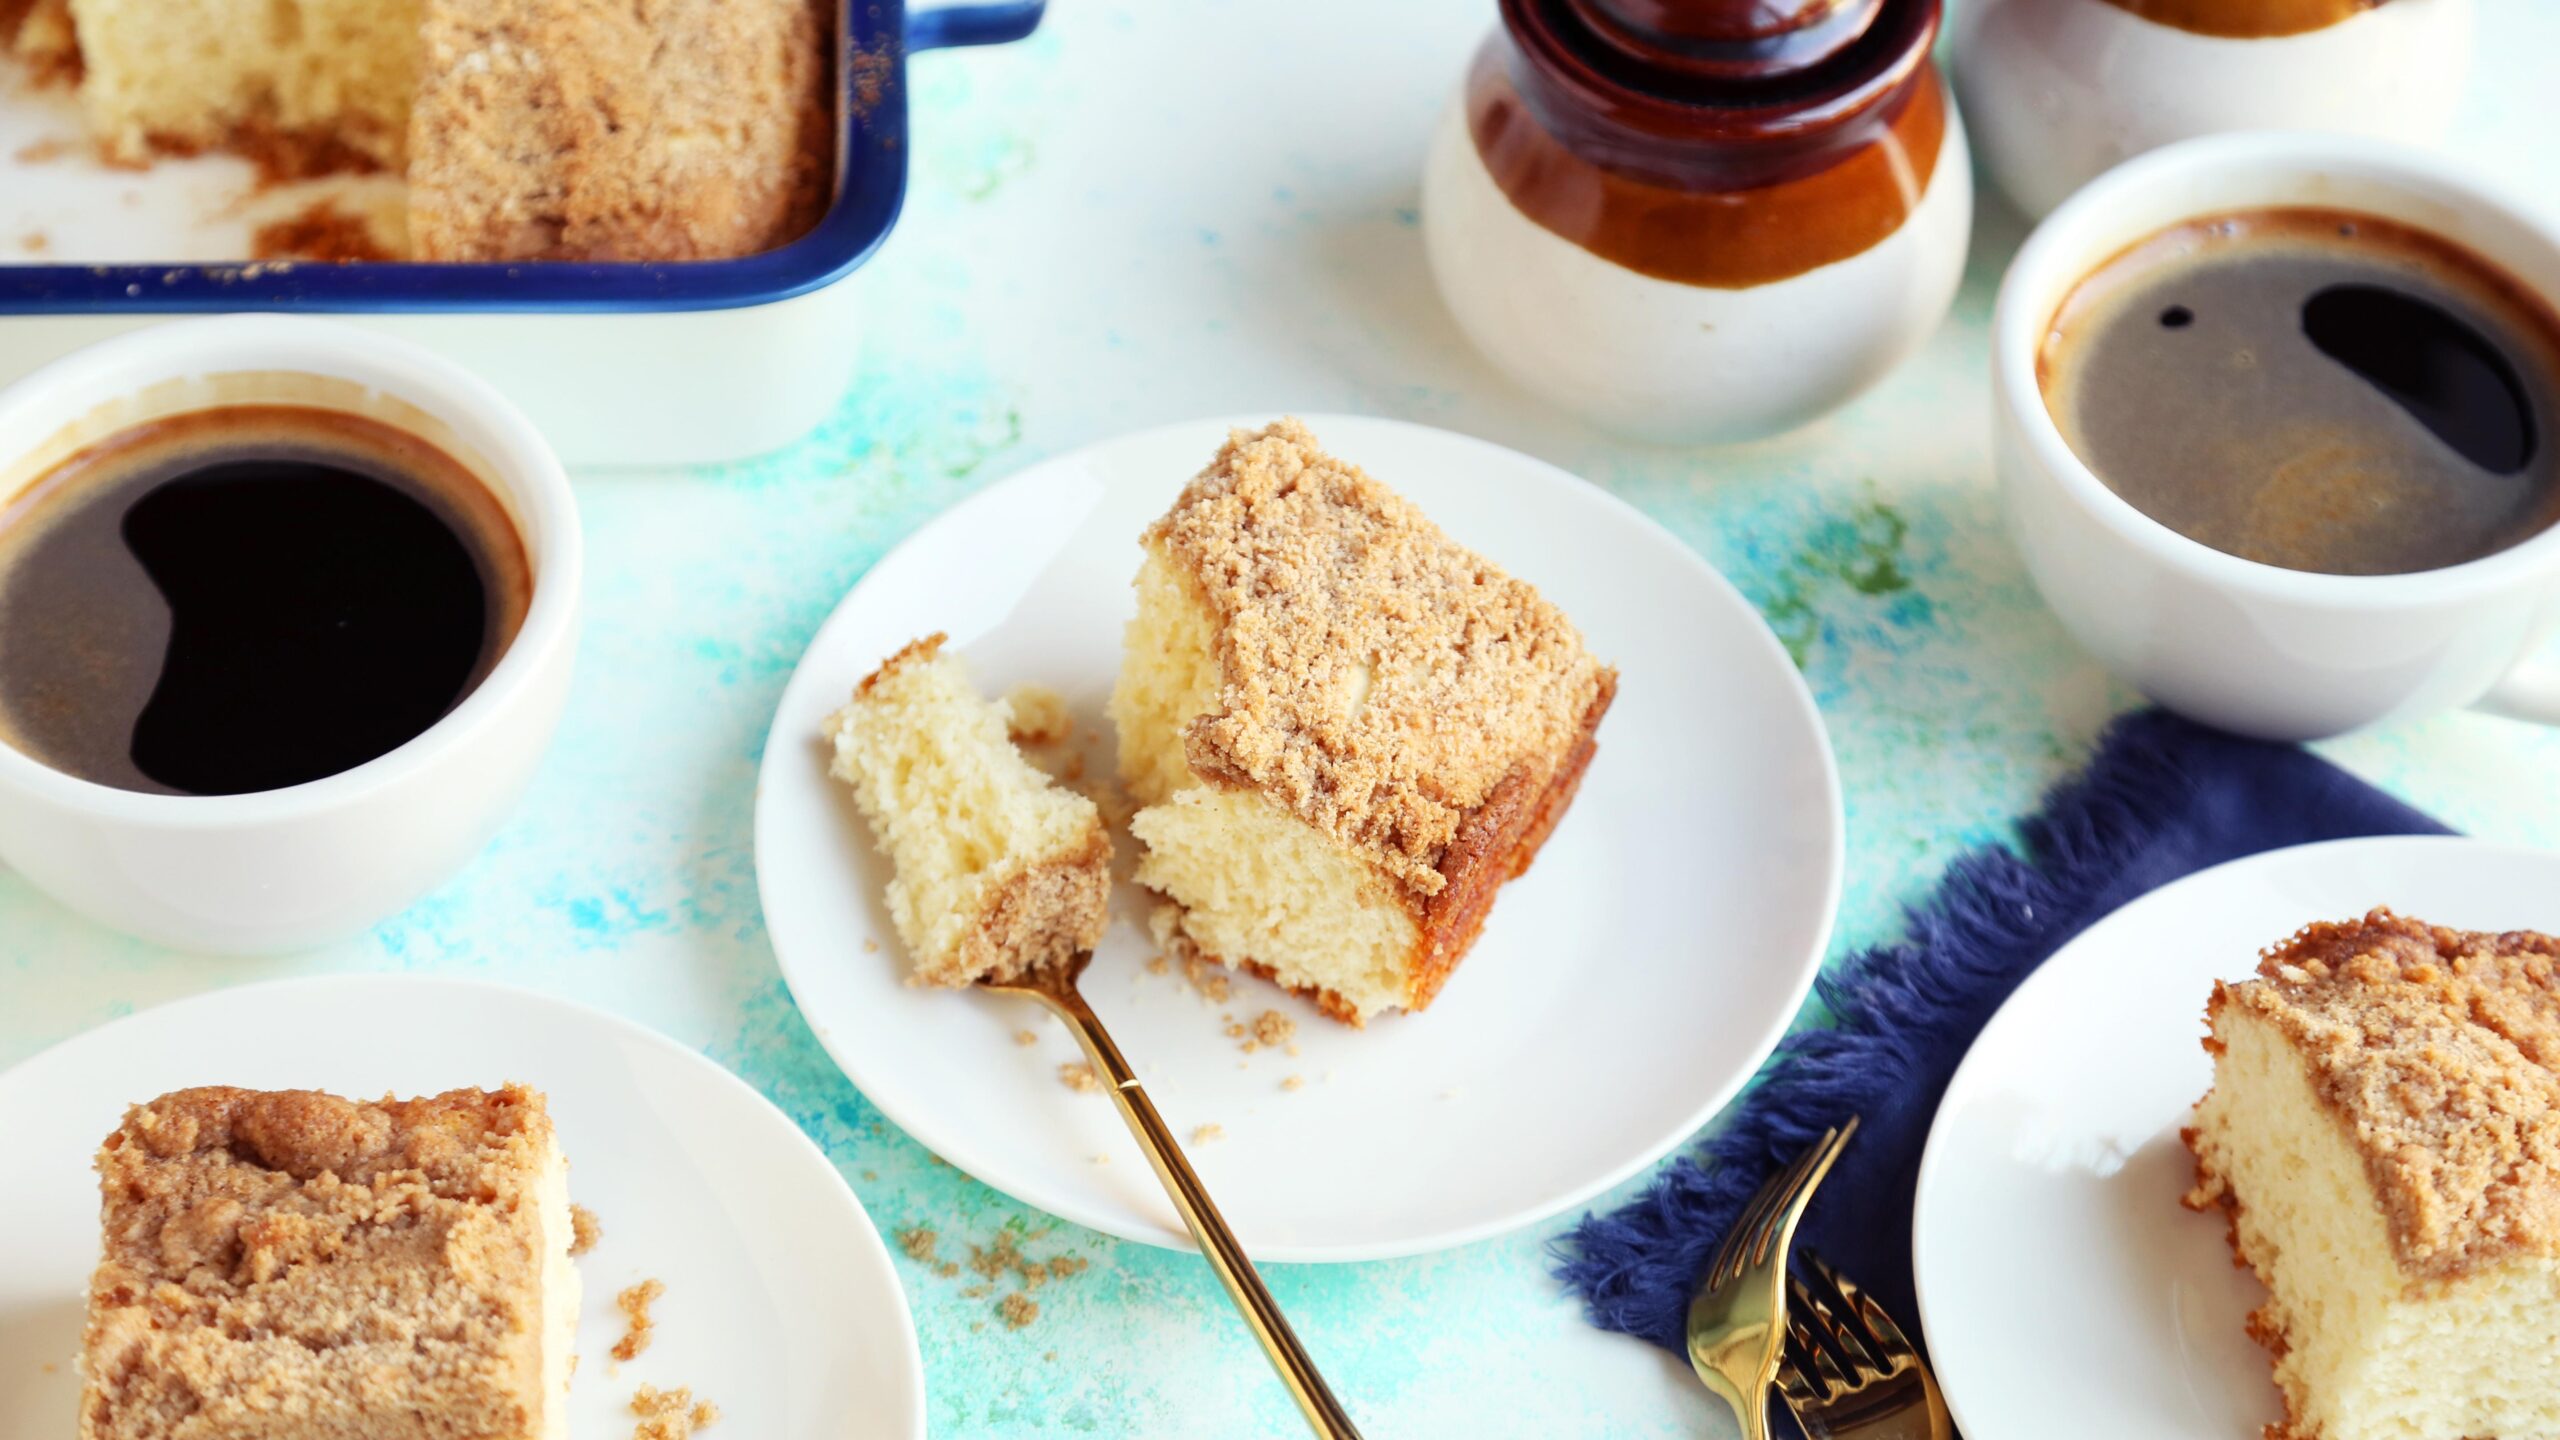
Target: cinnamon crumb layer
[
  {"x": 2436, "y": 1049},
  {"x": 1381, "y": 681}
]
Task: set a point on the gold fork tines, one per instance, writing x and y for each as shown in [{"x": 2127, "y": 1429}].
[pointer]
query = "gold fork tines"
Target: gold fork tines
[
  {"x": 1849, "y": 1373},
  {"x": 1737, "y": 1323}
]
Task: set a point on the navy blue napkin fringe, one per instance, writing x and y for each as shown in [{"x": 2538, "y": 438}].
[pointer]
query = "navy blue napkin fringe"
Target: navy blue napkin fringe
[{"x": 2161, "y": 798}]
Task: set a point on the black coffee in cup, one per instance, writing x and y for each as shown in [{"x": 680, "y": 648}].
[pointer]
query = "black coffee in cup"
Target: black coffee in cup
[
  {"x": 248, "y": 597},
  {"x": 2314, "y": 389}
]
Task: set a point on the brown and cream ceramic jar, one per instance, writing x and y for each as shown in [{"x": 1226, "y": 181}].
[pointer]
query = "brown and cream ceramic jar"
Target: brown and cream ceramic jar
[
  {"x": 1700, "y": 220},
  {"x": 2060, "y": 90}
]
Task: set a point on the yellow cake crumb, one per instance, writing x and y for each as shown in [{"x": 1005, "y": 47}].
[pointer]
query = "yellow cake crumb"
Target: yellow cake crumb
[{"x": 1036, "y": 715}]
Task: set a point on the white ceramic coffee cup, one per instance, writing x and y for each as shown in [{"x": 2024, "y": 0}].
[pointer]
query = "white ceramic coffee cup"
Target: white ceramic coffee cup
[
  {"x": 289, "y": 869},
  {"x": 2254, "y": 648}
]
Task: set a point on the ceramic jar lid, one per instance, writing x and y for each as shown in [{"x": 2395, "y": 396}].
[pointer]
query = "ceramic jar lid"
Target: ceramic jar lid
[
  {"x": 1718, "y": 94},
  {"x": 1728, "y": 39}
]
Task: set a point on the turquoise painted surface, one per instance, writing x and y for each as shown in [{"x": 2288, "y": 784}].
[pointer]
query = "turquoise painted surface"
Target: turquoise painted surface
[{"x": 1152, "y": 212}]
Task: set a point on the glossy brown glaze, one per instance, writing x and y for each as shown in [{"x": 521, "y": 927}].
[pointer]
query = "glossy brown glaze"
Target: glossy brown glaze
[
  {"x": 1728, "y": 39},
  {"x": 1798, "y": 205},
  {"x": 2247, "y": 19}
]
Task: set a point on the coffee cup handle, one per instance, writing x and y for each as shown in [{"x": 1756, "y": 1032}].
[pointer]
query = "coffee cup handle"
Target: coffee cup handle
[{"x": 2531, "y": 691}]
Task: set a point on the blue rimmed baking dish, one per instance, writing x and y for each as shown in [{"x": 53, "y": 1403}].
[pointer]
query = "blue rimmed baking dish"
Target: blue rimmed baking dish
[{"x": 619, "y": 363}]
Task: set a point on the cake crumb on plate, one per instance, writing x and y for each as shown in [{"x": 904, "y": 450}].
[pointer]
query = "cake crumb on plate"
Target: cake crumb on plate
[
  {"x": 1206, "y": 1133},
  {"x": 584, "y": 1230},
  {"x": 670, "y": 1414},
  {"x": 634, "y": 1304},
  {"x": 1037, "y": 715},
  {"x": 1078, "y": 1076}
]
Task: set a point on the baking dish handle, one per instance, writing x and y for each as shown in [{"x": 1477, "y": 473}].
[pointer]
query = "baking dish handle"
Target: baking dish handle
[{"x": 991, "y": 24}]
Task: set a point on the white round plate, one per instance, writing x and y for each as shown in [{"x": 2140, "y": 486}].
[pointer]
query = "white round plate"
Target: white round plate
[
  {"x": 2058, "y": 1275},
  {"x": 1623, "y": 991},
  {"x": 781, "y": 1305}
]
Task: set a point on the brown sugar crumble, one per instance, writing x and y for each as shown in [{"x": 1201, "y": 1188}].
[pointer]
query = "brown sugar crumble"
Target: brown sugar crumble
[
  {"x": 670, "y": 1414},
  {"x": 584, "y": 1230},
  {"x": 639, "y": 1329},
  {"x": 320, "y": 231},
  {"x": 2433, "y": 1048},
  {"x": 993, "y": 1264},
  {"x": 1297, "y": 554}
]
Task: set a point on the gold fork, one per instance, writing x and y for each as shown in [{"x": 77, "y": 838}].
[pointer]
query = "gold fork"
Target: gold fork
[
  {"x": 1055, "y": 987},
  {"x": 1737, "y": 1323},
  {"x": 1877, "y": 1387}
]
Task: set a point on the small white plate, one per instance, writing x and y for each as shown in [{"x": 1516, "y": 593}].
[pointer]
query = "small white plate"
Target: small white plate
[
  {"x": 1623, "y": 991},
  {"x": 781, "y": 1304},
  {"x": 2063, "y": 1288}
]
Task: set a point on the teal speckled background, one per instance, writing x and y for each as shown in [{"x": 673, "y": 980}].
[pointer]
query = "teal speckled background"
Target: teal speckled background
[{"x": 1147, "y": 213}]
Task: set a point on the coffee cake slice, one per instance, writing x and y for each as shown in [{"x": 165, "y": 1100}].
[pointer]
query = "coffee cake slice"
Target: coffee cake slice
[
  {"x": 289, "y": 1265},
  {"x": 1348, "y": 730},
  {"x": 998, "y": 870},
  {"x": 2384, "y": 1131}
]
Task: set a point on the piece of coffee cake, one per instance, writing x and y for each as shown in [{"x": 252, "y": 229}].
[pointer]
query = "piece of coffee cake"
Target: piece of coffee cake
[
  {"x": 288, "y": 1265},
  {"x": 2384, "y": 1131},
  {"x": 1348, "y": 729},
  {"x": 999, "y": 870}
]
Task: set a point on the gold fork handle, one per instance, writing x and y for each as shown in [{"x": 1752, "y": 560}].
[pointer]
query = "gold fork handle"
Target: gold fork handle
[{"x": 1297, "y": 1369}]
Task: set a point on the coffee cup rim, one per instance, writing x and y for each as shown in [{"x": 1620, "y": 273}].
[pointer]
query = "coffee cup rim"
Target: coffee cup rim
[
  {"x": 537, "y": 497},
  {"x": 2068, "y": 244}
]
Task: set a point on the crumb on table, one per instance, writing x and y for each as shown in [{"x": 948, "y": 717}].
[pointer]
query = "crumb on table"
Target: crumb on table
[
  {"x": 670, "y": 1414},
  {"x": 584, "y": 1230},
  {"x": 634, "y": 1304},
  {"x": 1294, "y": 1082},
  {"x": 920, "y": 1244},
  {"x": 1019, "y": 1310}
]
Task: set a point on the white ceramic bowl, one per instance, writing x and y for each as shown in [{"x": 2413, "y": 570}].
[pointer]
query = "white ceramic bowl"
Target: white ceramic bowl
[
  {"x": 1686, "y": 364},
  {"x": 2061, "y": 90},
  {"x": 2256, "y": 649},
  {"x": 293, "y": 868}
]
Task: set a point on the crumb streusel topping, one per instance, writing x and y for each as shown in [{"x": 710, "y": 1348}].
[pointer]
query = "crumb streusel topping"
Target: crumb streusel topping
[
  {"x": 1380, "y": 678},
  {"x": 2436, "y": 1048}
]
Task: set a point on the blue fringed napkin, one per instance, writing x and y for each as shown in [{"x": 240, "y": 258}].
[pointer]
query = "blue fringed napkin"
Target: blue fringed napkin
[{"x": 2162, "y": 798}]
